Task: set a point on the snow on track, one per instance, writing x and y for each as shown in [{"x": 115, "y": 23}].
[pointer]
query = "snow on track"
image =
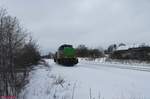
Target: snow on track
[
  {"x": 105, "y": 80},
  {"x": 121, "y": 66},
  {"x": 86, "y": 80}
]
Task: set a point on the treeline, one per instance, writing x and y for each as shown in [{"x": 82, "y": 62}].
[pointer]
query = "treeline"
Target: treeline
[
  {"x": 17, "y": 52},
  {"x": 83, "y": 51},
  {"x": 140, "y": 52}
]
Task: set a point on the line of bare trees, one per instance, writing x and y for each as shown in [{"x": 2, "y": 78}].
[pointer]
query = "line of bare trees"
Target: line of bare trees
[
  {"x": 17, "y": 51},
  {"x": 83, "y": 51}
]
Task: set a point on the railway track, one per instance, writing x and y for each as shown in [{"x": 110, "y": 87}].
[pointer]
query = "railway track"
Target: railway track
[{"x": 120, "y": 66}]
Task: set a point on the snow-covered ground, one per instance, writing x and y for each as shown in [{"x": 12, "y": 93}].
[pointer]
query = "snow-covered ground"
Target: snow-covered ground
[
  {"x": 88, "y": 80},
  {"x": 129, "y": 64}
]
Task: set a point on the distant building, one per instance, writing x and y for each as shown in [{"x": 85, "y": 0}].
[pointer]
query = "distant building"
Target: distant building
[{"x": 136, "y": 53}]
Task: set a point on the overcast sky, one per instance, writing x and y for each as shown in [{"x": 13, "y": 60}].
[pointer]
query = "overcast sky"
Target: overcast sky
[{"x": 91, "y": 22}]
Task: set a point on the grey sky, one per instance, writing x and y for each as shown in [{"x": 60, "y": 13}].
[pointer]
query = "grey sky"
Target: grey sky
[{"x": 90, "y": 22}]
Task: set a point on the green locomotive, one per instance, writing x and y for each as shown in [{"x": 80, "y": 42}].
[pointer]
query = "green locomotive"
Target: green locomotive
[{"x": 66, "y": 55}]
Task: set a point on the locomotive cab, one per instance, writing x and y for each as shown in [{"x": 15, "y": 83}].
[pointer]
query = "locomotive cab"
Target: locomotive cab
[{"x": 66, "y": 55}]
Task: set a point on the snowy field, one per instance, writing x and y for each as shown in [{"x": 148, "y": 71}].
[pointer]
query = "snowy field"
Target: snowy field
[{"x": 88, "y": 80}]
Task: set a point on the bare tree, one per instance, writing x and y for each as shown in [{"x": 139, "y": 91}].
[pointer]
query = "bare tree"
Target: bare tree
[{"x": 12, "y": 43}]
